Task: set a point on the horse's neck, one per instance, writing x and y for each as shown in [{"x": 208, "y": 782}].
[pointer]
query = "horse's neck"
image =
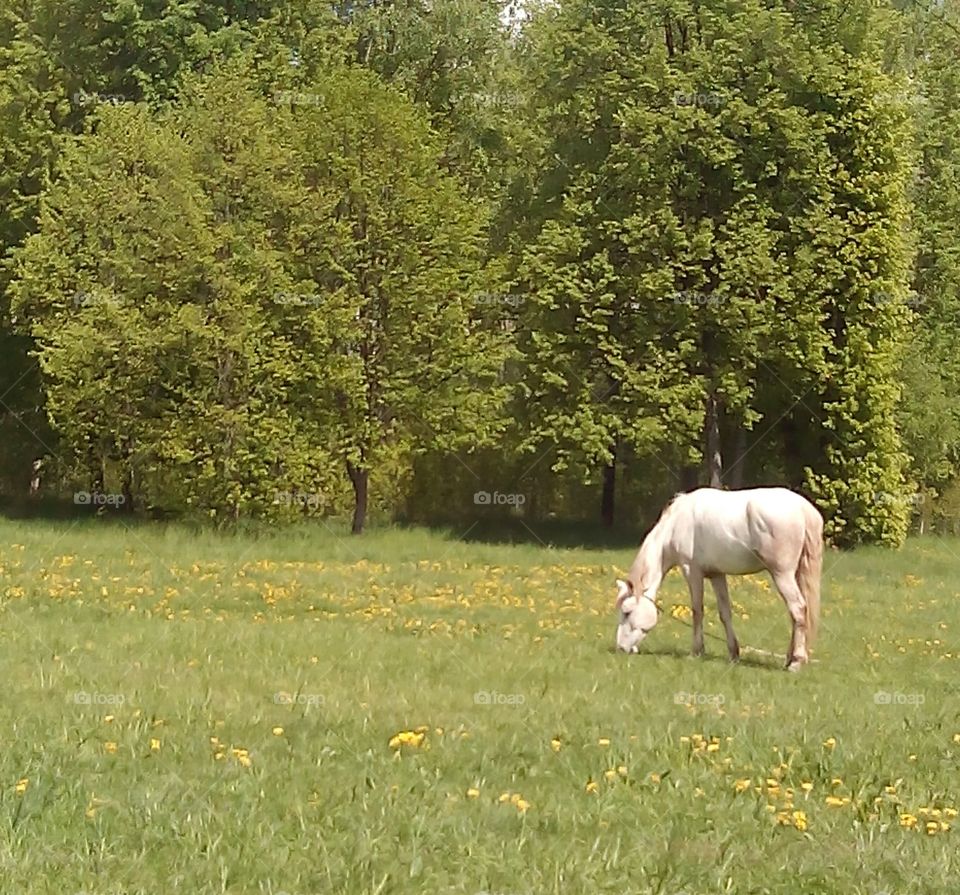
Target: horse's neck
[{"x": 653, "y": 560}]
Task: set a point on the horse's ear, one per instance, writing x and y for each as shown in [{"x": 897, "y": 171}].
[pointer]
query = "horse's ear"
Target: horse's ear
[{"x": 624, "y": 590}]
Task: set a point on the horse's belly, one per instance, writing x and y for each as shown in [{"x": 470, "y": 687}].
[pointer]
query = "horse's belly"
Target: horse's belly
[{"x": 730, "y": 559}]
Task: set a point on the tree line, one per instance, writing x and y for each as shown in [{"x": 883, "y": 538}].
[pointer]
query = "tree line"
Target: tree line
[{"x": 435, "y": 258}]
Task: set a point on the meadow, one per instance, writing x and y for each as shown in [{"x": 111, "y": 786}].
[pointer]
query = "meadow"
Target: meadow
[{"x": 301, "y": 712}]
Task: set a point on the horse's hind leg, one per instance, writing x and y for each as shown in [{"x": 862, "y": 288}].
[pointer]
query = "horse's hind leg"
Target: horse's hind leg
[
  {"x": 695, "y": 583},
  {"x": 796, "y": 605},
  {"x": 719, "y": 583}
]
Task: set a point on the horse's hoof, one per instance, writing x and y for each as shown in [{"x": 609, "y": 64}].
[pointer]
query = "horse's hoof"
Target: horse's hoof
[{"x": 795, "y": 665}]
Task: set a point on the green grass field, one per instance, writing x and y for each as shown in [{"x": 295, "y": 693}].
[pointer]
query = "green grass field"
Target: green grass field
[{"x": 404, "y": 712}]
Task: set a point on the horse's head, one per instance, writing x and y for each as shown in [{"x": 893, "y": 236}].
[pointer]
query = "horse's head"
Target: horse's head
[{"x": 638, "y": 615}]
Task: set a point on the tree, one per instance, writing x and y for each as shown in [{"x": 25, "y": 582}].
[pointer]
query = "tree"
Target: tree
[
  {"x": 686, "y": 260},
  {"x": 397, "y": 247},
  {"x": 226, "y": 298}
]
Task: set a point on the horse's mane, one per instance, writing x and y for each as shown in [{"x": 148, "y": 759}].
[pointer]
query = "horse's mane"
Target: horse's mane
[{"x": 669, "y": 507}]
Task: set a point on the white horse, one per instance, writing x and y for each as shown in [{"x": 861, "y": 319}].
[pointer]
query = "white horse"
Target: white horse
[{"x": 712, "y": 533}]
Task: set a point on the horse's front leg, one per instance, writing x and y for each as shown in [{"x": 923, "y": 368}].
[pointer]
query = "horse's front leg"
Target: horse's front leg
[
  {"x": 719, "y": 584},
  {"x": 695, "y": 583}
]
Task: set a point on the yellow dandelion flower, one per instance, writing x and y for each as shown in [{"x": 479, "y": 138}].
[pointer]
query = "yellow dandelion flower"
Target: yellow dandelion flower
[
  {"x": 622, "y": 770},
  {"x": 911, "y": 758},
  {"x": 592, "y": 786},
  {"x": 473, "y": 793},
  {"x": 515, "y": 798},
  {"x": 154, "y": 744},
  {"x": 555, "y": 744},
  {"x": 603, "y": 741},
  {"x": 830, "y": 742},
  {"x": 836, "y": 781},
  {"x": 22, "y": 785},
  {"x": 505, "y": 797},
  {"x": 932, "y": 827},
  {"x": 277, "y": 731},
  {"x": 835, "y": 802},
  {"x": 800, "y": 820},
  {"x": 713, "y": 747},
  {"x": 908, "y": 820},
  {"x": 741, "y": 785},
  {"x": 107, "y": 719},
  {"x": 110, "y": 747},
  {"x": 950, "y": 812},
  {"x": 806, "y": 786},
  {"x": 522, "y": 805}
]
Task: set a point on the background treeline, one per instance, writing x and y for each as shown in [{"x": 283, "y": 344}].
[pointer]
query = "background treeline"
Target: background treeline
[{"x": 269, "y": 259}]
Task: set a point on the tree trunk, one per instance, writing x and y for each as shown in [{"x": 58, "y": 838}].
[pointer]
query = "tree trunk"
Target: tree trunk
[
  {"x": 689, "y": 478},
  {"x": 736, "y": 473},
  {"x": 714, "y": 454},
  {"x": 127, "y": 505},
  {"x": 36, "y": 477},
  {"x": 608, "y": 498},
  {"x": 359, "y": 477},
  {"x": 98, "y": 474}
]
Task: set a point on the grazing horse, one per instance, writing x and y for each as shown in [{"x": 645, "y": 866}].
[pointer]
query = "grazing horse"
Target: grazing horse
[{"x": 711, "y": 533}]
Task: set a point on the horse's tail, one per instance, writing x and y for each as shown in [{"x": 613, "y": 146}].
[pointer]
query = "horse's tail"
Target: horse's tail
[{"x": 809, "y": 569}]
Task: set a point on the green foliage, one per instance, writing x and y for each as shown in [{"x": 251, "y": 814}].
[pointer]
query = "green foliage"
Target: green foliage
[
  {"x": 691, "y": 241},
  {"x": 260, "y": 244},
  {"x": 196, "y": 285}
]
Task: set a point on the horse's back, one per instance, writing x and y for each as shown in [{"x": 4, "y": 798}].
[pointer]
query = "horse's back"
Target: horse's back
[{"x": 744, "y": 531}]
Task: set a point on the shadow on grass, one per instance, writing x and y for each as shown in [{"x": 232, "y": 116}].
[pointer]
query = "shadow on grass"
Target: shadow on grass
[
  {"x": 676, "y": 652},
  {"x": 557, "y": 533},
  {"x": 493, "y": 529}
]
